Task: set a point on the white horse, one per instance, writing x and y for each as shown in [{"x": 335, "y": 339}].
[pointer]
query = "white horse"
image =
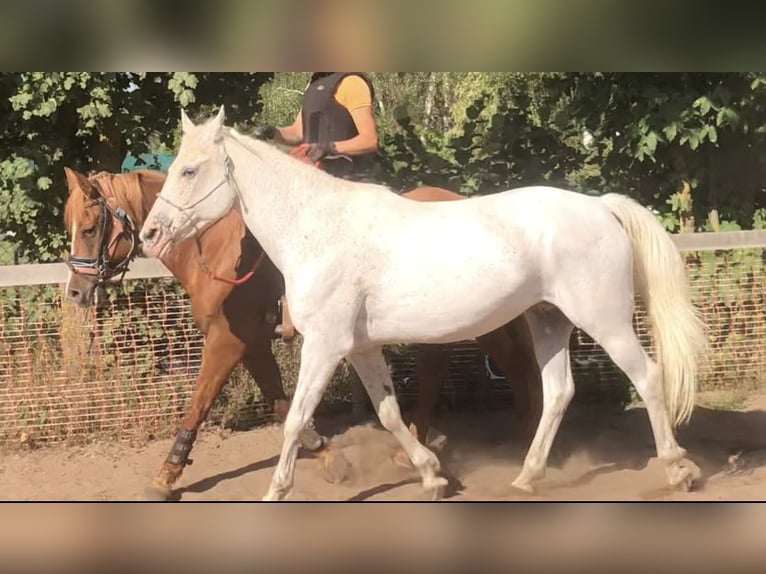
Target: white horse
[{"x": 364, "y": 267}]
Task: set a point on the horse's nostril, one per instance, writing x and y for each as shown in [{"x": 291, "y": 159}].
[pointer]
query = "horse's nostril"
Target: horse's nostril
[{"x": 150, "y": 234}]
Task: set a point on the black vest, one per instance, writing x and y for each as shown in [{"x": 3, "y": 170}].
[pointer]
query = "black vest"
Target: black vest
[{"x": 325, "y": 120}]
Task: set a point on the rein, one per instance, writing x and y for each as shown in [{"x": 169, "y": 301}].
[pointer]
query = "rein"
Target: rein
[
  {"x": 299, "y": 152},
  {"x": 228, "y": 177},
  {"x": 215, "y": 277}
]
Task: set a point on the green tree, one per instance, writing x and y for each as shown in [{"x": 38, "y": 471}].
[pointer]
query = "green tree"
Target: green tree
[
  {"x": 652, "y": 132},
  {"x": 89, "y": 121}
]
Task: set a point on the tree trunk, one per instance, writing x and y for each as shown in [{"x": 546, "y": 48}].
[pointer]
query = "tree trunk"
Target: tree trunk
[
  {"x": 430, "y": 96},
  {"x": 686, "y": 216},
  {"x": 715, "y": 223}
]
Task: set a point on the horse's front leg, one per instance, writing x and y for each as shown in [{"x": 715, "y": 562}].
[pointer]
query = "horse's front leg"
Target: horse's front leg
[
  {"x": 220, "y": 354},
  {"x": 319, "y": 359},
  {"x": 262, "y": 366}
]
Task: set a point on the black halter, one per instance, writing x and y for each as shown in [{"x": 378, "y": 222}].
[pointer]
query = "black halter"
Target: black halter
[{"x": 99, "y": 267}]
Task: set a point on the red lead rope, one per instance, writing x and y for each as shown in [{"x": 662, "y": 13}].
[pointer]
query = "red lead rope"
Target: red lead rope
[
  {"x": 299, "y": 152},
  {"x": 246, "y": 276}
]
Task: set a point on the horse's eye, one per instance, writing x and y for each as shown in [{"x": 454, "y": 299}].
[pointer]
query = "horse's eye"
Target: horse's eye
[
  {"x": 189, "y": 171},
  {"x": 89, "y": 231}
]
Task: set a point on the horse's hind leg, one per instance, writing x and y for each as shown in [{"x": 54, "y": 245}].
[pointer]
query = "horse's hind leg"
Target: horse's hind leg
[
  {"x": 376, "y": 377},
  {"x": 620, "y": 342},
  {"x": 512, "y": 350},
  {"x": 220, "y": 354},
  {"x": 550, "y": 331}
]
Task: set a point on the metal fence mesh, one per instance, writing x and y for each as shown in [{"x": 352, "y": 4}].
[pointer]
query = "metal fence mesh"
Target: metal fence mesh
[
  {"x": 130, "y": 368},
  {"x": 64, "y": 371}
]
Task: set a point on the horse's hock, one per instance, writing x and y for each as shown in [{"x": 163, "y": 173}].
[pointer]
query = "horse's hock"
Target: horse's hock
[{"x": 134, "y": 377}]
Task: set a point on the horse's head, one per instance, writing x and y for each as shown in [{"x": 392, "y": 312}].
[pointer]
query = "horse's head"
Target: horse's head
[
  {"x": 198, "y": 190},
  {"x": 104, "y": 237}
]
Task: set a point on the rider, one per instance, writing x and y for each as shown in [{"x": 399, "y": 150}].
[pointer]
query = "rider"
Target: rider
[
  {"x": 336, "y": 127},
  {"x": 336, "y": 124}
]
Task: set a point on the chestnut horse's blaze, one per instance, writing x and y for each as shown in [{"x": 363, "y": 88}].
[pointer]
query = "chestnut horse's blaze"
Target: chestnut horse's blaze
[{"x": 234, "y": 289}]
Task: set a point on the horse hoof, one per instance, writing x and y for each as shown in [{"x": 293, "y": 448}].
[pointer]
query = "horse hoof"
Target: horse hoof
[
  {"x": 157, "y": 494},
  {"x": 276, "y": 495},
  {"x": 436, "y": 488},
  {"x": 523, "y": 485},
  {"x": 335, "y": 467},
  {"x": 312, "y": 441},
  {"x": 685, "y": 480}
]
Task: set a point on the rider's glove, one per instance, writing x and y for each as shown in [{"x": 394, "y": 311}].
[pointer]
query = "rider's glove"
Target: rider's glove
[{"x": 317, "y": 151}]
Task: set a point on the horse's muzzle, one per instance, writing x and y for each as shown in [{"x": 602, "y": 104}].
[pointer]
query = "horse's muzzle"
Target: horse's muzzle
[{"x": 152, "y": 240}]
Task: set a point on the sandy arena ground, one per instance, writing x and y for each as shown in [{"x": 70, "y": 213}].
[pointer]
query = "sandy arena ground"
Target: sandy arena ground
[{"x": 595, "y": 457}]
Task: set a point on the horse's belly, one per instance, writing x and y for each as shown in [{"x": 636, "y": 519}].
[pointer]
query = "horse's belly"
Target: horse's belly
[{"x": 447, "y": 313}]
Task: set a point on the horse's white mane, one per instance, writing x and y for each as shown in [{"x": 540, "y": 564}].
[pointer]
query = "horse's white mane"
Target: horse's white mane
[
  {"x": 268, "y": 152},
  {"x": 265, "y": 151}
]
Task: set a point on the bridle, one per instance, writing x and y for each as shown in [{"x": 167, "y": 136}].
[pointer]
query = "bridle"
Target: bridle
[
  {"x": 112, "y": 217},
  {"x": 228, "y": 178},
  {"x": 298, "y": 152}
]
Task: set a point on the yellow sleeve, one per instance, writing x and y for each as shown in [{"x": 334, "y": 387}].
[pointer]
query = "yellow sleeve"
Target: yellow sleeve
[{"x": 353, "y": 93}]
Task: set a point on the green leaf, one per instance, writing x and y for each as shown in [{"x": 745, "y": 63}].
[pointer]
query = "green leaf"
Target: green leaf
[
  {"x": 730, "y": 226},
  {"x": 727, "y": 116},
  {"x": 670, "y": 132},
  {"x": 704, "y": 104},
  {"x": 694, "y": 141},
  {"x": 651, "y": 141}
]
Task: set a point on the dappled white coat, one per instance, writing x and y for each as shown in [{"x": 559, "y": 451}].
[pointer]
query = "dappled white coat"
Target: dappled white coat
[{"x": 364, "y": 267}]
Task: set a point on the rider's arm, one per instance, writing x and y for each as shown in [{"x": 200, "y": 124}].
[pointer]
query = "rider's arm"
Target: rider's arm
[
  {"x": 292, "y": 134},
  {"x": 354, "y": 94},
  {"x": 367, "y": 140}
]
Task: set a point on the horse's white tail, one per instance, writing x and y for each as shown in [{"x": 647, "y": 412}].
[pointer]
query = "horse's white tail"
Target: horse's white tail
[{"x": 660, "y": 275}]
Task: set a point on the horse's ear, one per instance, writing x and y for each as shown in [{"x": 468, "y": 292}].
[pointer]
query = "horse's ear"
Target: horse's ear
[
  {"x": 219, "y": 119},
  {"x": 217, "y": 125},
  {"x": 186, "y": 123},
  {"x": 71, "y": 178},
  {"x": 77, "y": 181}
]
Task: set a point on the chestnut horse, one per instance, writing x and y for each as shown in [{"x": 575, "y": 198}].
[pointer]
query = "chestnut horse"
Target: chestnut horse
[{"x": 234, "y": 288}]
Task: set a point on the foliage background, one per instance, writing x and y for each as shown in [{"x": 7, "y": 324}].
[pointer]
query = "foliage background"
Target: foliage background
[
  {"x": 643, "y": 134},
  {"x": 688, "y": 145}
]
